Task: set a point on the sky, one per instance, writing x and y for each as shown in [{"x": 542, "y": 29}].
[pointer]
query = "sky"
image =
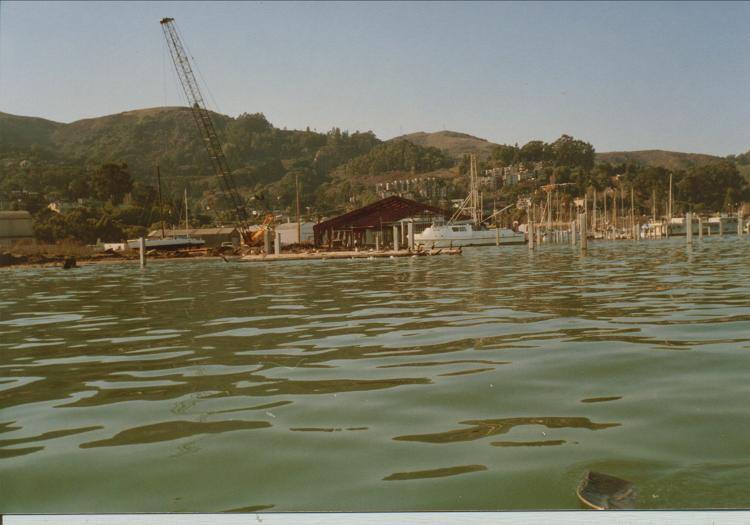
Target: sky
[{"x": 623, "y": 76}]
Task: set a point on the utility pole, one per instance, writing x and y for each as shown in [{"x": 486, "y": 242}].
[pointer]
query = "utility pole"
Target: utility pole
[
  {"x": 161, "y": 207},
  {"x": 187, "y": 219}
]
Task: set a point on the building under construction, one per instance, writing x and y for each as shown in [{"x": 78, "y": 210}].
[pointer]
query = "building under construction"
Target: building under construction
[{"x": 376, "y": 223}]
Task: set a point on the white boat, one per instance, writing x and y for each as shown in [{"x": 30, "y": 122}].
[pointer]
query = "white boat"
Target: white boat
[
  {"x": 167, "y": 243},
  {"x": 468, "y": 233},
  {"x": 455, "y": 235}
]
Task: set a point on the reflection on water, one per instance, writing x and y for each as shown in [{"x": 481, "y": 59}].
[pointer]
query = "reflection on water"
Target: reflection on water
[
  {"x": 170, "y": 430},
  {"x": 435, "y": 473},
  {"x": 311, "y": 386},
  {"x": 492, "y": 427},
  {"x": 600, "y": 399},
  {"x": 547, "y": 443}
]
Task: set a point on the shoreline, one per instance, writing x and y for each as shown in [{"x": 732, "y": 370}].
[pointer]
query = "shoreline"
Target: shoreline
[
  {"x": 25, "y": 262},
  {"x": 89, "y": 261}
]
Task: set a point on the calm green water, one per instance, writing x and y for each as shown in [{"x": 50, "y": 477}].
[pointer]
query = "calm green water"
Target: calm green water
[{"x": 487, "y": 381}]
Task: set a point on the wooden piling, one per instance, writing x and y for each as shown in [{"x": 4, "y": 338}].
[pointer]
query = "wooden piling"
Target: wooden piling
[
  {"x": 740, "y": 226},
  {"x": 142, "y": 251},
  {"x": 277, "y": 243},
  {"x": 395, "y": 238},
  {"x": 266, "y": 241},
  {"x": 410, "y": 229},
  {"x": 700, "y": 228},
  {"x": 530, "y": 228},
  {"x": 584, "y": 232},
  {"x": 689, "y": 227},
  {"x": 572, "y": 233}
]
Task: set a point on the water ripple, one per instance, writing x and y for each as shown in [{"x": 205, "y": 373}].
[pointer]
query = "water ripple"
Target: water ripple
[{"x": 630, "y": 359}]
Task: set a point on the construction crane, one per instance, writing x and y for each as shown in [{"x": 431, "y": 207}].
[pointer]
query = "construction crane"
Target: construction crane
[{"x": 204, "y": 123}]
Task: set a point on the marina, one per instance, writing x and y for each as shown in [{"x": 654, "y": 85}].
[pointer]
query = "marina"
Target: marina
[{"x": 386, "y": 278}]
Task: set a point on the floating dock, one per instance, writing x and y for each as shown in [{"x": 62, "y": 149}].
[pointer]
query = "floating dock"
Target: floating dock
[{"x": 312, "y": 256}]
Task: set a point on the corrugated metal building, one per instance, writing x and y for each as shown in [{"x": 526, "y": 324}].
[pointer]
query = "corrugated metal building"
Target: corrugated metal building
[
  {"x": 288, "y": 231},
  {"x": 213, "y": 236},
  {"x": 360, "y": 227},
  {"x": 16, "y": 226}
]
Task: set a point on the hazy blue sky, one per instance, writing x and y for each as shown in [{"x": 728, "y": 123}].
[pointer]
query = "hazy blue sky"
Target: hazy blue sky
[{"x": 620, "y": 75}]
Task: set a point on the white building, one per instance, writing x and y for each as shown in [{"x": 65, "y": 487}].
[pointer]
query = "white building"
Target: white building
[
  {"x": 16, "y": 226},
  {"x": 288, "y": 231}
]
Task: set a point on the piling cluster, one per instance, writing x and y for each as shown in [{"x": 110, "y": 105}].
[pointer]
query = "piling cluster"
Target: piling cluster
[{"x": 576, "y": 231}]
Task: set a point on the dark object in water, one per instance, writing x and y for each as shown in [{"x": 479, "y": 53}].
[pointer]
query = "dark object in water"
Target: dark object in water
[
  {"x": 602, "y": 492},
  {"x": 70, "y": 262}
]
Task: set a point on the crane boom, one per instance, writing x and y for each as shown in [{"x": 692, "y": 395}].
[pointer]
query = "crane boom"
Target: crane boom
[{"x": 203, "y": 121}]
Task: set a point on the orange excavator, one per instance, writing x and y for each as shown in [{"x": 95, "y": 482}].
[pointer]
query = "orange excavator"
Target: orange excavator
[{"x": 256, "y": 238}]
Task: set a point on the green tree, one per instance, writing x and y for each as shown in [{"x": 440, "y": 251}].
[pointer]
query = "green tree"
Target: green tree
[
  {"x": 505, "y": 154},
  {"x": 111, "y": 182},
  {"x": 712, "y": 186},
  {"x": 534, "y": 151},
  {"x": 570, "y": 152}
]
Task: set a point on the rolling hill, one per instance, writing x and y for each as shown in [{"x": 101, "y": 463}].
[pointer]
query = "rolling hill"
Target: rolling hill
[
  {"x": 17, "y": 132},
  {"x": 451, "y": 142},
  {"x": 673, "y": 160}
]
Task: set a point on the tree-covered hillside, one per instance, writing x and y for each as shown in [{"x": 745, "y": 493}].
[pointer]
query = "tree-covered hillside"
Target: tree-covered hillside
[
  {"x": 100, "y": 172},
  {"x": 44, "y": 162},
  {"x": 44, "y": 156}
]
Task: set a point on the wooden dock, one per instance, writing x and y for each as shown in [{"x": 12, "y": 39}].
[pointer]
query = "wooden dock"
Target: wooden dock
[{"x": 322, "y": 255}]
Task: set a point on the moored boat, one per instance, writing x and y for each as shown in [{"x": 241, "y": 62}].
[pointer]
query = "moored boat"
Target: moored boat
[
  {"x": 168, "y": 243},
  {"x": 458, "y": 233},
  {"x": 455, "y": 235}
]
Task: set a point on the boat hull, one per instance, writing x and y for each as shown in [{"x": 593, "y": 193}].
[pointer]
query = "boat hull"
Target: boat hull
[
  {"x": 460, "y": 243},
  {"x": 168, "y": 244},
  {"x": 442, "y": 238}
]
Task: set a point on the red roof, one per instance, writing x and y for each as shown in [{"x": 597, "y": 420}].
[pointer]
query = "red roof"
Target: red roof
[{"x": 388, "y": 210}]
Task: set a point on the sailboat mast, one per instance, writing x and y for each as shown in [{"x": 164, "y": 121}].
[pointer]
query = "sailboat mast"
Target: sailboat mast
[
  {"x": 670, "y": 197},
  {"x": 477, "y": 201}
]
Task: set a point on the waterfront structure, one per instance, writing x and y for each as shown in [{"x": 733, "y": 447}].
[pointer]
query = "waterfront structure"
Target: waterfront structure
[
  {"x": 16, "y": 226},
  {"x": 289, "y": 233},
  {"x": 375, "y": 223}
]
